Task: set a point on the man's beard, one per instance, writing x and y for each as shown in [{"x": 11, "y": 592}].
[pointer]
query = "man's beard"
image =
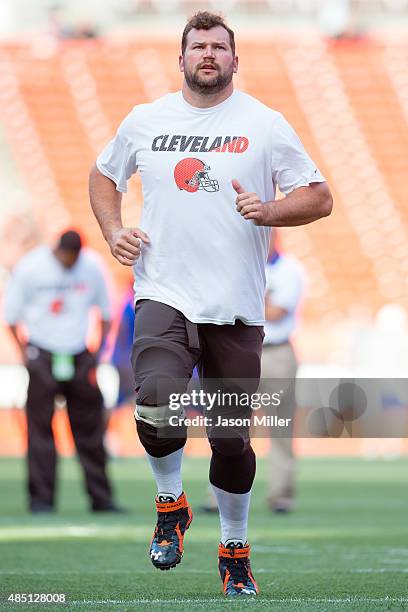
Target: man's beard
[{"x": 208, "y": 86}]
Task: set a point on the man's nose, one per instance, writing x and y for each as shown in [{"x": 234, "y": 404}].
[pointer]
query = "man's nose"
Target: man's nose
[{"x": 208, "y": 51}]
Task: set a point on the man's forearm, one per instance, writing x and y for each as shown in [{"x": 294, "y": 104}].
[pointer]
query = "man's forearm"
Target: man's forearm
[
  {"x": 106, "y": 203},
  {"x": 14, "y": 333},
  {"x": 124, "y": 242},
  {"x": 105, "y": 327},
  {"x": 274, "y": 313},
  {"x": 302, "y": 206}
]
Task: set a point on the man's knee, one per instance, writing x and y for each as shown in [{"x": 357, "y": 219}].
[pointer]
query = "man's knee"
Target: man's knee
[
  {"x": 234, "y": 445},
  {"x": 234, "y": 474},
  {"x": 156, "y": 443},
  {"x": 154, "y": 401},
  {"x": 159, "y": 433},
  {"x": 232, "y": 439},
  {"x": 157, "y": 389},
  {"x": 159, "y": 425}
]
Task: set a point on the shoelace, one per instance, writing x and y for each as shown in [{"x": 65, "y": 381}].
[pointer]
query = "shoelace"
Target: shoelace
[
  {"x": 238, "y": 568},
  {"x": 166, "y": 525}
]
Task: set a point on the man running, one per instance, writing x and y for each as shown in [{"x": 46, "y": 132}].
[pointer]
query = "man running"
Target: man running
[{"x": 210, "y": 158}]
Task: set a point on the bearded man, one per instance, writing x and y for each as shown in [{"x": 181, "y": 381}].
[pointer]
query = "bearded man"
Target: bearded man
[{"x": 210, "y": 159}]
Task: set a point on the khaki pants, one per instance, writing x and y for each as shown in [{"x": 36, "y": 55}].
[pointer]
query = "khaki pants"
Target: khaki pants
[{"x": 279, "y": 362}]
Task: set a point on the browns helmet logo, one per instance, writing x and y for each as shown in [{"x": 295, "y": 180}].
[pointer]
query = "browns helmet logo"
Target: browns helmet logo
[{"x": 191, "y": 174}]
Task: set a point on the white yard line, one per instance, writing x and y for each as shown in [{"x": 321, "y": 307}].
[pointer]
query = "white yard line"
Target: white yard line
[
  {"x": 341, "y": 600},
  {"x": 78, "y": 531},
  {"x": 258, "y": 570},
  {"x": 143, "y": 532}
]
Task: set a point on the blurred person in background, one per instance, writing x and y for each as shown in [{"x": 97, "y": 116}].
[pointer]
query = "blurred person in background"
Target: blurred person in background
[
  {"x": 284, "y": 288},
  {"x": 380, "y": 356},
  {"x": 51, "y": 292}
]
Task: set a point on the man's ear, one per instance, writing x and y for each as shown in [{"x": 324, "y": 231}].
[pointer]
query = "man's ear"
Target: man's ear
[
  {"x": 181, "y": 63},
  {"x": 235, "y": 66}
]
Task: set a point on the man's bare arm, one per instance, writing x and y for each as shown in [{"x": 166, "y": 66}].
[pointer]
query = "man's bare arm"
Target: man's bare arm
[
  {"x": 106, "y": 202},
  {"x": 105, "y": 327},
  {"x": 304, "y": 205},
  {"x": 273, "y": 312},
  {"x": 14, "y": 333}
]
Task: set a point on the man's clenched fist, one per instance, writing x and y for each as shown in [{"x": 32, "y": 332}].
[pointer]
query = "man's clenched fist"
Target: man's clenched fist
[
  {"x": 126, "y": 244},
  {"x": 250, "y": 206}
]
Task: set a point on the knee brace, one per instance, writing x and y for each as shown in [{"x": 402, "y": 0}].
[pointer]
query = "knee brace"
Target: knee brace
[
  {"x": 159, "y": 416},
  {"x": 158, "y": 435},
  {"x": 153, "y": 401}
]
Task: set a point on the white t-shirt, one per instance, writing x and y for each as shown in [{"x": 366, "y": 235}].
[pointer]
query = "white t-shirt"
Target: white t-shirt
[
  {"x": 284, "y": 286},
  {"x": 205, "y": 259},
  {"x": 54, "y": 302}
]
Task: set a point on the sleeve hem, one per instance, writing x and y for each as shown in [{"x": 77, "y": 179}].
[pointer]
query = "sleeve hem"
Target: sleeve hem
[
  {"x": 106, "y": 173},
  {"x": 303, "y": 183}
]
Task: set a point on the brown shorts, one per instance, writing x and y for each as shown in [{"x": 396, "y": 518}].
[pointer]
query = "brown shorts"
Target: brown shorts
[{"x": 167, "y": 346}]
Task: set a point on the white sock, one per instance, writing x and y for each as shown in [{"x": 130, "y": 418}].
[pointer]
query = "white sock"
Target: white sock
[
  {"x": 234, "y": 509},
  {"x": 167, "y": 473}
]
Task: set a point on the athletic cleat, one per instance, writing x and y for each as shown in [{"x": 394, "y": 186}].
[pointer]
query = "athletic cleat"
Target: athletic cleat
[
  {"x": 235, "y": 570},
  {"x": 174, "y": 516}
]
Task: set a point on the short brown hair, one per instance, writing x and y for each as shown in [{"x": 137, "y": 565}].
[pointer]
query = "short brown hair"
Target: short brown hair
[{"x": 204, "y": 20}]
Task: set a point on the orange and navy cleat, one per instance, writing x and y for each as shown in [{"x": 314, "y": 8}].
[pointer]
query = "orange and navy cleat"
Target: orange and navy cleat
[
  {"x": 174, "y": 516},
  {"x": 235, "y": 570}
]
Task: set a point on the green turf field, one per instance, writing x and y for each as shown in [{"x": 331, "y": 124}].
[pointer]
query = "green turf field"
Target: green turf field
[{"x": 345, "y": 548}]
